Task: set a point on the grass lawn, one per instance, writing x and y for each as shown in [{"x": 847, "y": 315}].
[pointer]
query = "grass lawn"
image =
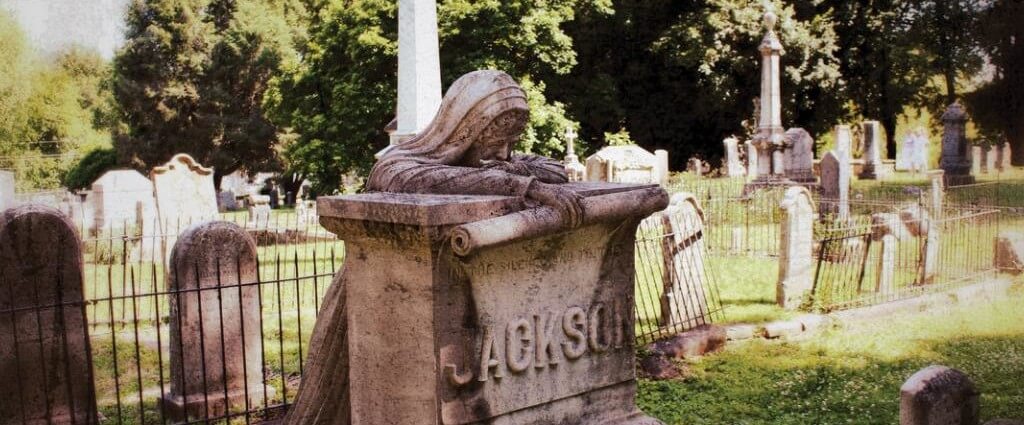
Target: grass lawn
[{"x": 851, "y": 375}]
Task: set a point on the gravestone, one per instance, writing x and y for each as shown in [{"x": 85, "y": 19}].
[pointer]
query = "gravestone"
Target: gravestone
[
  {"x": 216, "y": 353},
  {"x": 799, "y": 156},
  {"x": 956, "y": 161},
  {"x": 883, "y": 231},
  {"x": 796, "y": 265},
  {"x": 991, "y": 158},
  {"x": 695, "y": 166},
  {"x": 184, "y": 195},
  {"x": 939, "y": 395},
  {"x": 733, "y": 165},
  {"x": 305, "y": 212},
  {"x": 752, "y": 169},
  {"x": 45, "y": 357},
  {"x": 922, "y": 153},
  {"x": 623, "y": 164},
  {"x": 661, "y": 169},
  {"x": 977, "y": 159},
  {"x": 874, "y": 138},
  {"x": 226, "y": 201},
  {"x": 844, "y": 141},
  {"x": 905, "y": 153},
  {"x": 259, "y": 210},
  {"x": 770, "y": 136},
  {"x": 1005, "y": 156},
  {"x": 6, "y": 190},
  {"x": 835, "y": 186},
  {"x": 117, "y": 197},
  {"x": 684, "y": 276}
]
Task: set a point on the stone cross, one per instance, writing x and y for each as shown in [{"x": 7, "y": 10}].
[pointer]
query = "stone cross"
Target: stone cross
[
  {"x": 796, "y": 265},
  {"x": 939, "y": 395},
  {"x": 956, "y": 160},
  {"x": 684, "y": 276},
  {"x": 874, "y": 137},
  {"x": 573, "y": 168},
  {"x": 770, "y": 133},
  {"x": 216, "y": 353},
  {"x": 419, "y": 67},
  {"x": 46, "y": 372}
]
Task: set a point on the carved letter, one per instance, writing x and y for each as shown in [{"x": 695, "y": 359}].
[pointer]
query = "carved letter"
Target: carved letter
[
  {"x": 454, "y": 378},
  {"x": 519, "y": 345},
  {"x": 490, "y": 356},
  {"x": 573, "y": 324},
  {"x": 544, "y": 325},
  {"x": 621, "y": 323},
  {"x": 597, "y": 312}
]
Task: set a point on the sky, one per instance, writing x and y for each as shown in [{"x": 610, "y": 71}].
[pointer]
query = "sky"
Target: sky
[{"x": 53, "y": 25}]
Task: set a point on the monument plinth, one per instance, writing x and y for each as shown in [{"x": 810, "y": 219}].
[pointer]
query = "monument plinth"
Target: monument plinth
[{"x": 478, "y": 309}]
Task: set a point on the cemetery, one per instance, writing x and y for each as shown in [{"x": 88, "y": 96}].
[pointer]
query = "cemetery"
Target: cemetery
[{"x": 277, "y": 252}]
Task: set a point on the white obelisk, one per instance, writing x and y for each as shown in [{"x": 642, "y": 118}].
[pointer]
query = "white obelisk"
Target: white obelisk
[
  {"x": 771, "y": 135},
  {"x": 419, "y": 67}
]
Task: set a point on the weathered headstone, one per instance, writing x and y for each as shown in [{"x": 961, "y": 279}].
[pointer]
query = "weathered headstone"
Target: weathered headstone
[
  {"x": 45, "y": 357},
  {"x": 799, "y": 163},
  {"x": 956, "y": 161},
  {"x": 939, "y": 395},
  {"x": 226, "y": 201},
  {"x": 116, "y": 197},
  {"x": 929, "y": 251},
  {"x": 305, "y": 211},
  {"x": 937, "y": 191},
  {"x": 216, "y": 352},
  {"x": 1005, "y": 156},
  {"x": 6, "y": 190},
  {"x": 684, "y": 275},
  {"x": 661, "y": 170},
  {"x": 259, "y": 211},
  {"x": 844, "y": 141},
  {"x": 991, "y": 159},
  {"x": 883, "y": 232},
  {"x": 977, "y": 158},
  {"x": 623, "y": 164},
  {"x": 874, "y": 138},
  {"x": 796, "y": 266},
  {"x": 752, "y": 166},
  {"x": 184, "y": 195},
  {"x": 733, "y": 166},
  {"x": 835, "y": 186}
]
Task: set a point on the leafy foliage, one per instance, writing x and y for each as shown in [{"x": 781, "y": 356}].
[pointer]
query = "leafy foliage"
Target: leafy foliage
[{"x": 90, "y": 168}]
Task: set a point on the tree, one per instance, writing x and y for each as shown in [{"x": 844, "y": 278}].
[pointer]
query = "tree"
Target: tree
[
  {"x": 948, "y": 31},
  {"x": 15, "y": 70},
  {"x": 158, "y": 76},
  {"x": 681, "y": 76},
  {"x": 342, "y": 96},
  {"x": 998, "y": 106}
]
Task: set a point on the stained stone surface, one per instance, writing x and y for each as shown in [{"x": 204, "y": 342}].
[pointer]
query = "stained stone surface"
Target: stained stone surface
[
  {"x": 215, "y": 352},
  {"x": 6, "y": 190},
  {"x": 184, "y": 195},
  {"x": 796, "y": 271},
  {"x": 623, "y": 164},
  {"x": 1010, "y": 252},
  {"x": 939, "y": 395},
  {"x": 45, "y": 358},
  {"x": 799, "y": 163}
]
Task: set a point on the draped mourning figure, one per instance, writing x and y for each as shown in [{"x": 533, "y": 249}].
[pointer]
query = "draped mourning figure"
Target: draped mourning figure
[{"x": 466, "y": 150}]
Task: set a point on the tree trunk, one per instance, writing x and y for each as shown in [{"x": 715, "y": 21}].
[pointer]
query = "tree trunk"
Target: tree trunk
[{"x": 889, "y": 124}]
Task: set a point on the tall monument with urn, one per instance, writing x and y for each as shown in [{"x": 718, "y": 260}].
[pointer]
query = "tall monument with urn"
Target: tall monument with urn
[{"x": 771, "y": 136}]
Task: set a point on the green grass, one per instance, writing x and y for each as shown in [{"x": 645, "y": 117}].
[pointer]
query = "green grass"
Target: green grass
[{"x": 853, "y": 375}]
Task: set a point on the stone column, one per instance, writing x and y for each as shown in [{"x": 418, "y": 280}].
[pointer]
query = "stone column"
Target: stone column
[
  {"x": 419, "y": 67},
  {"x": 770, "y": 135},
  {"x": 683, "y": 299},
  {"x": 662, "y": 170},
  {"x": 573, "y": 168},
  {"x": 796, "y": 265},
  {"x": 216, "y": 352},
  {"x": 470, "y": 309},
  {"x": 45, "y": 357},
  {"x": 874, "y": 137},
  {"x": 1006, "y": 154},
  {"x": 955, "y": 155},
  {"x": 939, "y": 395}
]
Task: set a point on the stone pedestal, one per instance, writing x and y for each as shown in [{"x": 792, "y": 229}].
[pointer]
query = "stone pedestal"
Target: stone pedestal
[
  {"x": 475, "y": 309},
  {"x": 955, "y": 160}
]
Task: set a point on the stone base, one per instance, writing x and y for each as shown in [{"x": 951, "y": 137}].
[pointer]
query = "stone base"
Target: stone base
[
  {"x": 776, "y": 182},
  {"x": 602, "y": 407},
  {"x": 176, "y": 408}
]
